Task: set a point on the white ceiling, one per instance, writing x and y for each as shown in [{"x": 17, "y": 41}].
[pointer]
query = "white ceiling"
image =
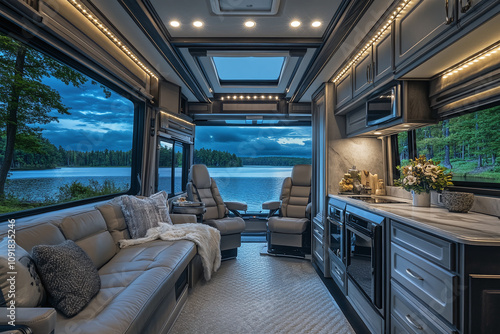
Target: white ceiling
[{"x": 267, "y": 26}]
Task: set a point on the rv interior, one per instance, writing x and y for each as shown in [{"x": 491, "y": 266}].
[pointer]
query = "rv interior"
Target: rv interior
[{"x": 258, "y": 143}]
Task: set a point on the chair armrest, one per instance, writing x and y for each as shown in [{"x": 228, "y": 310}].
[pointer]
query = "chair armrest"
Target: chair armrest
[
  {"x": 41, "y": 320},
  {"x": 232, "y": 206},
  {"x": 182, "y": 219},
  {"x": 271, "y": 205}
]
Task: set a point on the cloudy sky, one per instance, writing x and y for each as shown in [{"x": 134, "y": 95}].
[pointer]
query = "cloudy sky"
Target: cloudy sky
[
  {"x": 98, "y": 123},
  {"x": 256, "y": 141},
  {"x": 95, "y": 123}
]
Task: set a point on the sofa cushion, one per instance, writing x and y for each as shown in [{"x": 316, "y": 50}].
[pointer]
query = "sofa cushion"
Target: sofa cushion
[
  {"x": 134, "y": 285},
  {"x": 113, "y": 215},
  {"x": 46, "y": 234},
  {"x": 141, "y": 214},
  {"x": 29, "y": 291},
  {"x": 89, "y": 231},
  {"x": 68, "y": 274}
]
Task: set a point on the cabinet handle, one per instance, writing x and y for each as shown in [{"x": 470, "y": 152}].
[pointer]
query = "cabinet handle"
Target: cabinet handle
[
  {"x": 338, "y": 271},
  {"x": 465, "y": 8},
  {"x": 415, "y": 276},
  {"x": 411, "y": 322},
  {"x": 449, "y": 19}
]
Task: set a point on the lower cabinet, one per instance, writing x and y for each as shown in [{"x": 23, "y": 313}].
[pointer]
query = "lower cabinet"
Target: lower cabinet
[{"x": 484, "y": 303}]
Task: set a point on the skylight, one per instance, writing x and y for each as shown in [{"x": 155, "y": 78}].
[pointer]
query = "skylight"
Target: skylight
[{"x": 248, "y": 68}]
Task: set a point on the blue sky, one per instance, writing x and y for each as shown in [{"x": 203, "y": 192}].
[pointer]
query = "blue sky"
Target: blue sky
[
  {"x": 248, "y": 68},
  {"x": 95, "y": 123},
  {"x": 256, "y": 141}
]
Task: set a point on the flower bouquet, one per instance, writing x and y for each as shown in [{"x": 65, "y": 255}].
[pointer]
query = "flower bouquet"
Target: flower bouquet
[{"x": 422, "y": 176}]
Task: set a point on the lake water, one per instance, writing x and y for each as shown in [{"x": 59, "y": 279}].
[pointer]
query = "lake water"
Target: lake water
[{"x": 251, "y": 184}]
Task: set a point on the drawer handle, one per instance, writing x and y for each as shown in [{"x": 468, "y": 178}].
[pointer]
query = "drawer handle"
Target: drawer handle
[
  {"x": 412, "y": 274},
  {"x": 411, "y": 322},
  {"x": 338, "y": 271}
]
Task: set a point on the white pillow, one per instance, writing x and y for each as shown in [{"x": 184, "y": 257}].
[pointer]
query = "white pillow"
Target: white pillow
[{"x": 141, "y": 214}]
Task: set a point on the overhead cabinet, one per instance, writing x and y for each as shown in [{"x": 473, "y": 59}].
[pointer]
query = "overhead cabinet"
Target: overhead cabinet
[{"x": 371, "y": 70}]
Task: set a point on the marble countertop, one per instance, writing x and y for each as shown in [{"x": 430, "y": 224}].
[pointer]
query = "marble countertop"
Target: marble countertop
[{"x": 467, "y": 228}]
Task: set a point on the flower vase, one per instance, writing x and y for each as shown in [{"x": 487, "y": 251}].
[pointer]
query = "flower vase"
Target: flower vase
[{"x": 422, "y": 199}]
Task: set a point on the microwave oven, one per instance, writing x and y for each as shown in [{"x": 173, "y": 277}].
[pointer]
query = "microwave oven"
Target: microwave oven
[{"x": 383, "y": 107}]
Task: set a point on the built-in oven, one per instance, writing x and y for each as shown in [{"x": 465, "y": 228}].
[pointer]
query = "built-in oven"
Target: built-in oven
[{"x": 364, "y": 255}]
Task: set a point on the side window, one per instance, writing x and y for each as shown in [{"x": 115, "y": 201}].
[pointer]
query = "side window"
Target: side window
[
  {"x": 172, "y": 169},
  {"x": 63, "y": 136},
  {"x": 165, "y": 163},
  {"x": 178, "y": 167}
]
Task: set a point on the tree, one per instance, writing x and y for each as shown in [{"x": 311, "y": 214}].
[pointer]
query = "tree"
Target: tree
[{"x": 25, "y": 101}]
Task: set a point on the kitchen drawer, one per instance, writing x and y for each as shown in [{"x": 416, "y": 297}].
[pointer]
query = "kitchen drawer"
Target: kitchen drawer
[
  {"x": 318, "y": 249},
  {"x": 318, "y": 228},
  {"x": 432, "y": 248},
  {"x": 408, "y": 315},
  {"x": 337, "y": 271},
  {"x": 430, "y": 283}
]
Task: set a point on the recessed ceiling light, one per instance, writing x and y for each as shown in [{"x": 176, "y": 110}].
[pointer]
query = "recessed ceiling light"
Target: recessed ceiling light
[
  {"x": 175, "y": 24},
  {"x": 198, "y": 24},
  {"x": 295, "y": 24},
  {"x": 249, "y": 24},
  {"x": 316, "y": 24}
]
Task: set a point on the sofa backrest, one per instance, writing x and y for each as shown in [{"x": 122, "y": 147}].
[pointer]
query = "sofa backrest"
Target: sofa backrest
[
  {"x": 89, "y": 231},
  {"x": 115, "y": 221},
  {"x": 84, "y": 224}
]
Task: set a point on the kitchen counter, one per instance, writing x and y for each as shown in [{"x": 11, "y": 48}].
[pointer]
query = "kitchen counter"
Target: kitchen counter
[{"x": 467, "y": 228}]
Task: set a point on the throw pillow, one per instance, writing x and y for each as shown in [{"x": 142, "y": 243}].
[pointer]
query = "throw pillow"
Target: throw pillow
[
  {"x": 141, "y": 214},
  {"x": 68, "y": 274},
  {"x": 17, "y": 268}
]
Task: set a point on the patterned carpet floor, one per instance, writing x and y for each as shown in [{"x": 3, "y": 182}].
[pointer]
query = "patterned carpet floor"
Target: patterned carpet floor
[{"x": 261, "y": 294}]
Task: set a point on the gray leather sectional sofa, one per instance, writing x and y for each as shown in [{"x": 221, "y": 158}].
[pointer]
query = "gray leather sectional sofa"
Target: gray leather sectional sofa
[{"x": 143, "y": 287}]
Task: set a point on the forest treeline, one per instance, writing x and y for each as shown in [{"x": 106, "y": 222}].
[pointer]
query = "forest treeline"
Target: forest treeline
[
  {"x": 214, "y": 158},
  {"x": 46, "y": 155},
  {"x": 468, "y": 144},
  {"x": 276, "y": 161}
]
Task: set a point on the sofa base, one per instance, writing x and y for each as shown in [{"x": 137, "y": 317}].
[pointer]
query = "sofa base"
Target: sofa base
[{"x": 229, "y": 254}]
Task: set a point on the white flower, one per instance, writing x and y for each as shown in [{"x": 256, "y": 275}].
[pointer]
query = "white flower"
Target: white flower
[{"x": 410, "y": 180}]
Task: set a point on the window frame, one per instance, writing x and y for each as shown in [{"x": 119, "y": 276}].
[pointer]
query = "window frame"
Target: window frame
[
  {"x": 185, "y": 165},
  {"x": 42, "y": 46},
  {"x": 478, "y": 188}
]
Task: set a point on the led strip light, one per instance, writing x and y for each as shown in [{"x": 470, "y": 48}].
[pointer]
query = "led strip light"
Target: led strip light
[
  {"x": 95, "y": 21},
  {"x": 374, "y": 39},
  {"x": 248, "y": 97},
  {"x": 472, "y": 61}
]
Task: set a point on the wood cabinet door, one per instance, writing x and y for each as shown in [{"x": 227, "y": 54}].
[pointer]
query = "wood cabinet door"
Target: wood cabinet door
[
  {"x": 484, "y": 304},
  {"x": 343, "y": 91},
  {"x": 362, "y": 74},
  {"x": 424, "y": 22},
  {"x": 382, "y": 58}
]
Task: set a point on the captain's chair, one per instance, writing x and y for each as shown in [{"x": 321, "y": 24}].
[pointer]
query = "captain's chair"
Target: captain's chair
[
  {"x": 202, "y": 188},
  {"x": 289, "y": 233}
]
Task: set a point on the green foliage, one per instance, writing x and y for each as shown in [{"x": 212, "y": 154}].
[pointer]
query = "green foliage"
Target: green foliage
[
  {"x": 468, "y": 144},
  {"x": 76, "y": 190},
  {"x": 214, "y": 158}
]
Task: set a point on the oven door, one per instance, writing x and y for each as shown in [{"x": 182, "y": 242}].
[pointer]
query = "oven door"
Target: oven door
[
  {"x": 364, "y": 260},
  {"x": 337, "y": 239}
]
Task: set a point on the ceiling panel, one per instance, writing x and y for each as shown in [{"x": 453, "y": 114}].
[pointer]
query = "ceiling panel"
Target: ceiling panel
[{"x": 268, "y": 26}]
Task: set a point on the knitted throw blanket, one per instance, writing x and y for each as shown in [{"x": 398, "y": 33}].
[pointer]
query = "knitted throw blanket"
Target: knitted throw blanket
[{"x": 205, "y": 237}]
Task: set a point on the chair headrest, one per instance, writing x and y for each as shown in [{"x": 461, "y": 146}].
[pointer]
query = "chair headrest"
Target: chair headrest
[
  {"x": 200, "y": 177},
  {"x": 301, "y": 175}
]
